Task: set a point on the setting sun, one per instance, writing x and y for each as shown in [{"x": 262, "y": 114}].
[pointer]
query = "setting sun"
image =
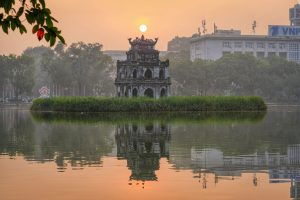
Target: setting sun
[{"x": 143, "y": 28}]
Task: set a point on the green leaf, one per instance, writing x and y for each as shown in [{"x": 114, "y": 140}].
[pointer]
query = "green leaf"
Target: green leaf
[
  {"x": 52, "y": 40},
  {"x": 13, "y": 25},
  {"x": 22, "y": 29},
  {"x": 20, "y": 11},
  {"x": 43, "y": 3},
  {"x": 18, "y": 22},
  {"x": 47, "y": 37},
  {"x": 41, "y": 18},
  {"x": 48, "y": 11},
  {"x": 8, "y": 5},
  {"x": 30, "y": 18},
  {"x": 35, "y": 28},
  {"x": 61, "y": 39},
  {"x": 5, "y": 27},
  {"x": 49, "y": 22}
]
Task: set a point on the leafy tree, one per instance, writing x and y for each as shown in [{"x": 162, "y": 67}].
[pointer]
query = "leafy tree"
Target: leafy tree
[
  {"x": 82, "y": 69},
  {"x": 4, "y": 72},
  {"x": 21, "y": 74},
  {"x": 36, "y": 14},
  {"x": 274, "y": 78},
  {"x": 40, "y": 76}
]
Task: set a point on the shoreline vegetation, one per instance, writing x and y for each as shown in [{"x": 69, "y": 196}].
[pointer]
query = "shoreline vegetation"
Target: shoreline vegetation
[
  {"x": 149, "y": 118},
  {"x": 142, "y": 104}
]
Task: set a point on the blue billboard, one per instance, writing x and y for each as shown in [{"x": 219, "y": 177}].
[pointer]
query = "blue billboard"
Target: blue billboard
[{"x": 276, "y": 31}]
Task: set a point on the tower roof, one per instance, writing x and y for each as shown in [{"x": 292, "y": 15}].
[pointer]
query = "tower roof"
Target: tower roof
[{"x": 142, "y": 42}]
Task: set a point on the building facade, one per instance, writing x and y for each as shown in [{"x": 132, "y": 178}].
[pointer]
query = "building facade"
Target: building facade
[
  {"x": 283, "y": 41},
  {"x": 142, "y": 73},
  {"x": 213, "y": 47}
]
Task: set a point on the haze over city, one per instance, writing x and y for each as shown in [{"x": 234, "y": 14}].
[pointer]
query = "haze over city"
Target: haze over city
[{"x": 112, "y": 22}]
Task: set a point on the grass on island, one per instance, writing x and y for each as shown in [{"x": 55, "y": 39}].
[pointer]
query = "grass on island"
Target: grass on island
[{"x": 142, "y": 104}]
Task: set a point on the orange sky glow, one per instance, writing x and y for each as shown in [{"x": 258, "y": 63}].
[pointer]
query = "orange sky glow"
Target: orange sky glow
[{"x": 111, "y": 22}]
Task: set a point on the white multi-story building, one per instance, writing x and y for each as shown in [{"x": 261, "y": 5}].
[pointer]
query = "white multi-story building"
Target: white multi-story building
[{"x": 283, "y": 41}]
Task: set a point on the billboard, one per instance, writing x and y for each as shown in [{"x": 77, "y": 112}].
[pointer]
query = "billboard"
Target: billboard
[{"x": 275, "y": 31}]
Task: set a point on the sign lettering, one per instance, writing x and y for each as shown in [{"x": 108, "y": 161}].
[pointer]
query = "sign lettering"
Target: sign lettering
[{"x": 277, "y": 31}]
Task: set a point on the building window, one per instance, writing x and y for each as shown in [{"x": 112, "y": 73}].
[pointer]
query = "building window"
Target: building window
[
  {"x": 238, "y": 44},
  {"x": 271, "y": 54},
  {"x": 294, "y": 47},
  {"x": 283, "y": 55},
  {"x": 261, "y": 45},
  {"x": 226, "y": 44},
  {"x": 249, "y": 45},
  {"x": 260, "y": 54},
  {"x": 294, "y": 56},
  {"x": 272, "y": 46},
  {"x": 282, "y": 46}
]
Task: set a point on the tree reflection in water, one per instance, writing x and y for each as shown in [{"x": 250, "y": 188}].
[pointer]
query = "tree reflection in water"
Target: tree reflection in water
[{"x": 67, "y": 144}]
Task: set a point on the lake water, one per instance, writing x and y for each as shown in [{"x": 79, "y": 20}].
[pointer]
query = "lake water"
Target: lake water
[{"x": 160, "y": 156}]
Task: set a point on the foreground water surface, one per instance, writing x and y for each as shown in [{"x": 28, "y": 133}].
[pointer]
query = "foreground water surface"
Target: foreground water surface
[{"x": 160, "y": 156}]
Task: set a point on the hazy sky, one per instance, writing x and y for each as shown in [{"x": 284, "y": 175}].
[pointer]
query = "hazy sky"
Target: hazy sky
[{"x": 111, "y": 22}]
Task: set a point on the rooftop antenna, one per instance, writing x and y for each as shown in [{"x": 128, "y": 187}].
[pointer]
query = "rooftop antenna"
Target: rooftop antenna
[
  {"x": 215, "y": 28},
  {"x": 254, "y": 24},
  {"x": 199, "y": 31},
  {"x": 204, "y": 26}
]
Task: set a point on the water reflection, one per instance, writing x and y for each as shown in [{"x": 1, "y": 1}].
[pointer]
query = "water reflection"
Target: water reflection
[
  {"x": 215, "y": 148},
  {"x": 68, "y": 145},
  {"x": 280, "y": 167},
  {"x": 143, "y": 146}
]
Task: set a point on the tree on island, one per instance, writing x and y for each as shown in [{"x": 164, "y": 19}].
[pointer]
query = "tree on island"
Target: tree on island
[{"x": 36, "y": 14}]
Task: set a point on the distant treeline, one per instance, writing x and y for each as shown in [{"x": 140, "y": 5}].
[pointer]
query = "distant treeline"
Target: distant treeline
[
  {"x": 83, "y": 70},
  {"x": 79, "y": 70},
  {"x": 275, "y": 79}
]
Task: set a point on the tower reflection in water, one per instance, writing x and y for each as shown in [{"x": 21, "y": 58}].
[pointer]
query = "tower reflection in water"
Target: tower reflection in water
[{"x": 143, "y": 146}]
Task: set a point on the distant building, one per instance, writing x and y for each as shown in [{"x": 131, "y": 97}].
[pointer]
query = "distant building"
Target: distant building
[
  {"x": 283, "y": 41},
  {"x": 116, "y": 54},
  {"x": 142, "y": 73},
  {"x": 178, "y": 44}
]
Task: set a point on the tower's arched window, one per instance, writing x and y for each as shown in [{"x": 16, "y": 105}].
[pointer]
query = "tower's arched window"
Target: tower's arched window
[
  {"x": 134, "y": 92},
  {"x": 149, "y": 93},
  {"x": 163, "y": 92},
  {"x": 161, "y": 74},
  {"x": 148, "y": 74},
  {"x": 134, "y": 74}
]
